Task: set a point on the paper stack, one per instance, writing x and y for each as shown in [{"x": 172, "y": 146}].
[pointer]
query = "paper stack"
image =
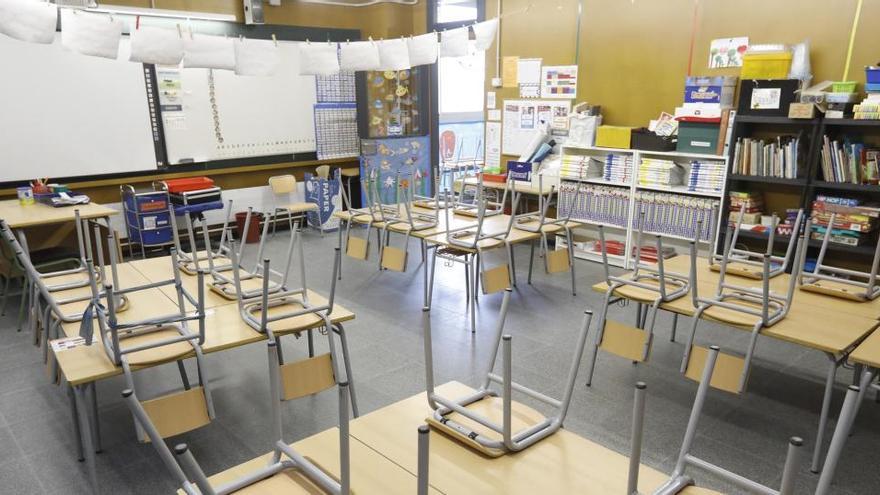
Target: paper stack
[
  {"x": 706, "y": 177},
  {"x": 657, "y": 172}
]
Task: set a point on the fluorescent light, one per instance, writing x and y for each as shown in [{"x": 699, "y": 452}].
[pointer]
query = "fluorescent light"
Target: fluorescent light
[{"x": 170, "y": 14}]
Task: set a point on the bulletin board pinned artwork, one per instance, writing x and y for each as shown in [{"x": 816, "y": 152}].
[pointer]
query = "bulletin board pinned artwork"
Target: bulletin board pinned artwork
[
  {"x": 393, "y": 99},
  {"x": 559, "y": 82},
  {"x": 727, "y": 52},
  {"x": 409, "y": 156},
  {"x": 522, "y": 119}
]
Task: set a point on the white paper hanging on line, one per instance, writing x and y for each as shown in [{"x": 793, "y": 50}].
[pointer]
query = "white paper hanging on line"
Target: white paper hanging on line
[
  {"x": 423, "y": 49},
  {"x": 96, "y": 35},
  {"x": 528, "y": 71},
  {"x": 484, "y": 32},
  {"x": 493, "y": 144},
  {"x": 359, "y": 55},
  {"x": 318, "y": 59},
  {"x": 154, "y": 45},
  {"x": 394, "y": 55},
  {"x": 208, "y": 52},
  {"x": 454, "y": 43},
  {"x": 28, "y": 20},
  {"x": 256, "y": 57}
]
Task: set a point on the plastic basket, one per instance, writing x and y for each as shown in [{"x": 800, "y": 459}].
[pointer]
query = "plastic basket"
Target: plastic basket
[
  {"x": 844, "y": 87},
  {"x": 872, "y": 75},
  {"x": 766, "y": 65}
]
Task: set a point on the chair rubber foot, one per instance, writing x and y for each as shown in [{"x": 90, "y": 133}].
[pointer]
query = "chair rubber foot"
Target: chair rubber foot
[
  {"x": 81, "y": 459},
  {"x": 814, "y": 471}
]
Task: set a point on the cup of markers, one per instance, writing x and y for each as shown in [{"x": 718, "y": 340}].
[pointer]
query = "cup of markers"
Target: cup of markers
[{"x": 25, "y": 195}]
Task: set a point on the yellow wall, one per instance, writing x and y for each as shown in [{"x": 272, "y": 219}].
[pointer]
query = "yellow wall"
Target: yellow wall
[{"x": 634, "y": 53}]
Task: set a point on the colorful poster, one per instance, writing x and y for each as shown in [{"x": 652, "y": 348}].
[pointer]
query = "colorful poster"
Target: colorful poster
[
  {"x": 559, "y": 81},
  {"x": 727, "y": 52},
  {"x": 408, "y": 158}
]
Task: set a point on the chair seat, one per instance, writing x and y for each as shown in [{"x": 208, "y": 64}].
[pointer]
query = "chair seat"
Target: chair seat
[
  {"x": 163, "y": 354},
  {"x": 534, "y": 226},
  {"x": 732, "y": 317},
  {"x": 637, "y": 293},
  {"x": 301, "y": 207},
  {"x": 837, "y": 289}
]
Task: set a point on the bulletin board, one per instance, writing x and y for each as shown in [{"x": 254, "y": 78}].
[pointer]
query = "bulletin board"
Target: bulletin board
[
  {"x": 409, "y": 155},
  {"x": 523, "y": 118}
]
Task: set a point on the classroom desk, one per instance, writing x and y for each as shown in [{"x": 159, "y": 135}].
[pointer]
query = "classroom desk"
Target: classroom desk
[
  {"x": 83, "y": 366},
  {"x": 18, "y": 216},
  {"x": 561, "y": 463},
  {"x": 518, "y": 186},
  {"x": 371, "y": 472},
  {"x": 826, "y": 324}
]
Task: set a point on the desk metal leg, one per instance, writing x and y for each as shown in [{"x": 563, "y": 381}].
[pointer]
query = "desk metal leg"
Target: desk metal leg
[
  {"x": 472, "y": 292},
  {"x": 674, "y": 327},
  {"x": 339, "y": 230},
  {"x": 96, "y": 424},
  {"x": 510, "y": 256},
  {"x": 432, "y": 263},
  {"x": 815, "y": 466},
  {"x": 531, "y": 259},
  {"x": 424, "y": 249},
  {"x": 82, "y": 408},
  {"x": 340, "y": 330},
  {"x": 311, "y": 337},
  {"x": 77, "y": 432}
]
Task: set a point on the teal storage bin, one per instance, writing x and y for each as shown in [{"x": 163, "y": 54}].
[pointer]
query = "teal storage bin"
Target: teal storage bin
[{"x": 698, "y": 137}]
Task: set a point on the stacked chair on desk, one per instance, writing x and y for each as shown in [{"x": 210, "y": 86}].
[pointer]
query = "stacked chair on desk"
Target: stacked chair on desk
[
  {"x": 190, "y": 199},
  {"x": 750, "y": 264},
  {"x": 365, "y": 218},
  {"x": 467, "y": 419},
  {"x": 651, "y": 285},
  {"x": 741, "y": 306},
  {"x": 473, "y": 200},
  {"x": 839, "y": 282},
  {"x": 556, "y": 261},
  {"x": 404, "y": 221},
  {"x": 470, "y": 246}
]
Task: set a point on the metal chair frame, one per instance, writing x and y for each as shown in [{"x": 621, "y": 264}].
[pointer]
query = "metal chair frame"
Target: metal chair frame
[
  {"x": 511, "y": 441},
  {"x": 778, "y": 264},
  {"x": 481, "y": 202}
]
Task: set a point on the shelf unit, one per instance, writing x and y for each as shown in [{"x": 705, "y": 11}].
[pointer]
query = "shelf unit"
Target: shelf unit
[
  {"x": 628, "y": 233},
  {"x": 809, "y": 182}
]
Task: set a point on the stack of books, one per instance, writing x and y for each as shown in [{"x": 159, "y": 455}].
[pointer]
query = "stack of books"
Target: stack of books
[
  {"x": 853, "y": 163},
  {"x": 869, "y": 108},
  {"x": 777, "y": 158},
  {"x": 618, "y": 168},
  {"x": 574, "y": 167},
  {"x": 854, "y": 221},
  {"x": 706, "y": 177},
  {"x": 753, "y": 202},
  {"x": 663, "y": 173}
]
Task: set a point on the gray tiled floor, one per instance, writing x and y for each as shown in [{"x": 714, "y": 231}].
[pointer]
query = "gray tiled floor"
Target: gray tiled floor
[{"x": 746, "y": 434}]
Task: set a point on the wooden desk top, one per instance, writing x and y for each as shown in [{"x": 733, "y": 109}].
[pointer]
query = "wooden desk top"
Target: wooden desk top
[
  {"x": 815, "y": 321},
  {"x": 868, "y": 352},
  {"x": 18, "y": 216},
  {"x": 517, "y": 186},
  {"x": 159, "y": 269},
  {"x": 562, "y": 463},
  {"x": 371, "y": 473}
]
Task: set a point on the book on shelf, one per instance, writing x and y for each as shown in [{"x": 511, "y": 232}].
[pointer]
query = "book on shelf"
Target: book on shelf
[
  {"x": 752, "y": 201},
  {"x": 853, "y": 220},
  {"x": 848, "y": 162},
  {"x": 658, "y": 172},
  {"x": 777, "y": 158},
  {"x": 707, "y": 177}
]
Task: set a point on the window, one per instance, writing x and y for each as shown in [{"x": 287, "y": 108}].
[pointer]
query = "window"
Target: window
[{"x": 456, "y": 11}]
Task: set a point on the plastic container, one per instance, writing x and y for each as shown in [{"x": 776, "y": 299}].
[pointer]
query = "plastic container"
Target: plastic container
[
  {"x": 254, "y": 229},
  {"x": 844, "y": 87},
  {"x": 872, "y": 75},
  {"x": 698, "y": 137},
  {"x": 25, "y": 195},
  {"x": 643, "y": 139},
  {"x": 177, "y": 186},
  {"x": 773, "y": 65},
  {"x": 611, "y": 136}
]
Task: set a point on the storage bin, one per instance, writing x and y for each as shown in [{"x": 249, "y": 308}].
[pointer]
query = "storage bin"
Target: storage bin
[
  {"x": 872, "y": 75},
  {"x": 754, "y": 90},
  {"x": 872, "y": 87},
  {"x": 177, "y": 186},
  {"x": 717, "y": 89},
  {"x": 773, "y": 65},
  {"x": 698, "y": 137},
  {"x": 643, "y": 139},
  {"x": 843, "y": 87},
  {"x": 611, "y": 136}
]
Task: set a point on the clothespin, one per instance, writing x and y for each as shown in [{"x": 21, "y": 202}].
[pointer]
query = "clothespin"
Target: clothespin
[
  {"x": 191, "y": 37},
  {"x": 347, "y": 41},
  {"x": 179, "y": 31},
  {"x": 308, "y": 42},
  {"x": 241, "y": 38},
  {"x": 274, "y": 39},
  {"x": 137, "y": 22},
  {"x": 371, "y": 39}
]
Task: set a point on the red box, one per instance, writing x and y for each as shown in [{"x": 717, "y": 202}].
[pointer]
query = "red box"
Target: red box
[
  {"x": 494, "y": 177},
  {"x": 177, "y": 186}
]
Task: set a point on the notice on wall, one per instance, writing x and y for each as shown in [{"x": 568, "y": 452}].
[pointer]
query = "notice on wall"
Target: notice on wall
[
  {"x": 559, "y": 81},
  {"x": 493, "y": 145},
  {"x": 727, "y": 52},
  {"x": 490, "y": 100},
  {"x": 521, "y": 119},
  {"x": 528, "y": 76},
  {"x": 509, "y": 67}
]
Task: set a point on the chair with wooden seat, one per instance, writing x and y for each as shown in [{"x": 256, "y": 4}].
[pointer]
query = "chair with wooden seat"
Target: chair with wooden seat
[
  {"x": 160, "y": 339},
  {"x": 750, "y": 264},
  {"x": 405, "y": 222},
  {"x": 466, "y": 419},
  {"x": 284, "y": 200},
  {"x": 480, "y": 203},
  {"x": 470, "y": 246},
  {"x": 558, "y": 260},
  {"x": 365, "y": 219},
  {"x": 741, "y": 306},
  {"x": 681, "y": 482},
  {"x": 650, "y": 285},
  {"x": 843, "y": 283},
  {"x": 286, "y": 471}
]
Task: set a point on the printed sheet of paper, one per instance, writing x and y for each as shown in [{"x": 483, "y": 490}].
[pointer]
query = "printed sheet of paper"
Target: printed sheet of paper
[
  {"x": 491, "y": 98},
  {"x": 559, "y": 81},
  {"x": 727, "y": 52},
  {"x": 493, "y": 144},
  {"x": 522, "y": 118},
  {"x": 529, "y": 77},
  {"x": 509, "y": 66}
]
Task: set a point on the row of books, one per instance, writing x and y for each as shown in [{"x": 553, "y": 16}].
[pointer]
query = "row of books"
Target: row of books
[
  {"x": 706, "y": 177},
  {"x": 574, "y": 167},
  {"x": 869, "y": 108},
  {"x": 853, "y": 163},
  {"x": 777, "y": 158},
  {"x": 674, "y": 214},
  {"x": 752, "y": 201},
  {"x": 618, "y": 168},
  {"x": 659, "y": 172},
  {"x": 601, "y": 204},
  {"x": 854, "y": 220}
]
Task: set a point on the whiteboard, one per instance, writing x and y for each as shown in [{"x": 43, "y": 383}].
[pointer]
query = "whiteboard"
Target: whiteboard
[
  {"x": 66, "y": 114},
  {"x": 256, "y": 116}
]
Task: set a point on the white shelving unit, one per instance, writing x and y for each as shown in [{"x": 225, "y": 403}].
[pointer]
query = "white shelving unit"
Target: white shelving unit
[{"x": 594, "y": 175}]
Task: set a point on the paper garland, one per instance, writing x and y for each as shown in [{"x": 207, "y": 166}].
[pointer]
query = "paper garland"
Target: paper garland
[
  {"x": 208, "y": 52},
  {"x": 256, "y": 57},
  {"x": 484, "y": 32},
  {"x": 154, "y": 45},
  {"x": 27, "y": 20},
  {"x": 423, "y": 50},
  {"x": 358, "y": 55},
  {"x": 318, "y": 59},
  {"x": 90, "y": 34},
  {"x": 393, "y": 55},
  {"x": 454, "y": 43}
]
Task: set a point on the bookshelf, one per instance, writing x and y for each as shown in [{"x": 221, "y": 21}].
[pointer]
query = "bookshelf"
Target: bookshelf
[
  {"x": 800, "y": 192},
  {"x": 625, "y": 231}
]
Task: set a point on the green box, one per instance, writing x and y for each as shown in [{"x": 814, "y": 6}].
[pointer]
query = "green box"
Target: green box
[{"x": 698, "y": 137}]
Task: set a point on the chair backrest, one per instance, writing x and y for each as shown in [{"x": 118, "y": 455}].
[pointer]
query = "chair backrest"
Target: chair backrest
[{"x": 282, "y": 184}]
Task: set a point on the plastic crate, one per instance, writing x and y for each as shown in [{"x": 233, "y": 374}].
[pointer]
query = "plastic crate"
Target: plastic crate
[
  {"x": 872, "y": 75},
  {"x": 844, "y": 87},
  {"x": 177, "y": 186},
  {"x": 610, "y": 136},
  {"x": 766, "y": 65}
]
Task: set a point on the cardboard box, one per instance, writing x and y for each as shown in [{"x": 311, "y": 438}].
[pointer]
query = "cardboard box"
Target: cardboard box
[
  {"x": 701, "y": 89},
  {"x": 801, "y": 111},
  {"x": 698, "y": 137}
]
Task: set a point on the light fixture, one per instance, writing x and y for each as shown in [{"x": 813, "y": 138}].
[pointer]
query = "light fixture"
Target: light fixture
[{"x": 359, "y": 3}]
